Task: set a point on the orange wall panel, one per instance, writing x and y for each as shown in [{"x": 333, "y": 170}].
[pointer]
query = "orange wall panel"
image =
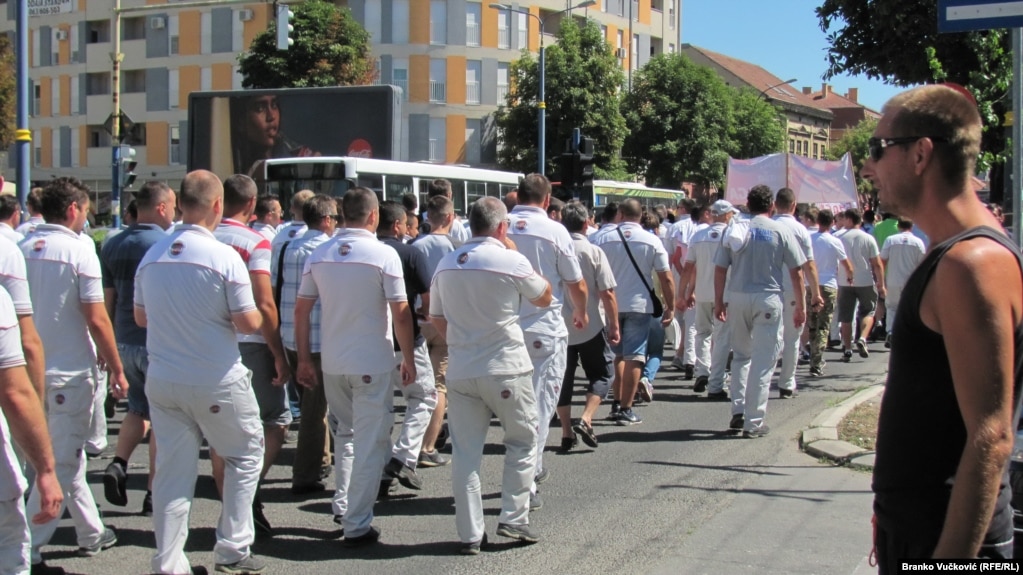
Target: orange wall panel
[
  {"x": 260, "y": 21},
  {"x": 644, "y": 12},
  {"x": 65, "y": 95},
  {"x": 189, "y": 27},
  {"x": 222, "y": 76},
  {"x": 45, "y": 97},
  {"x": 456, "y": 80},
  {"x": 154, "y": 2},
  {"x": 189, "y": 80},
  {"x": 419, "y": 22},
  {"x": 455, "y": 138},
  {"x": 46, "y": 147},
  {"x": 64, "y": 47},
  {"x": 612, "y": 35},
  {"x": 534, "y": 30},
  {"x": 156, "y": 144},
  {"x": 488, "y": 28},
  {"x": 419, "y": 78}
]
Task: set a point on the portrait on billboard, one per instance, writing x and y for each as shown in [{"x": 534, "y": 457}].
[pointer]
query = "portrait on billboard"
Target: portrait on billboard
[{"x": 257, "y": 133}]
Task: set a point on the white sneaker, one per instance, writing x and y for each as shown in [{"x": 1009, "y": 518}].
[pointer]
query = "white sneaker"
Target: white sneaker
[{"x": 646, "y": 390}]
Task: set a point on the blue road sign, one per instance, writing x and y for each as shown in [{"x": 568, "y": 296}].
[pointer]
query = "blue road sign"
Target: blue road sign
[{"x": 966, "y": 15}]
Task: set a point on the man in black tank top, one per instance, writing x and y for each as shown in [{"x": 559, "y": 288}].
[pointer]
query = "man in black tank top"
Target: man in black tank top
[{"x": 951, "y": 405}]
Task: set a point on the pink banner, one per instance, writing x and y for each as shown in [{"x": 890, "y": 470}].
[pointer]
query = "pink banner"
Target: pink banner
[{"x": 813, "y": 181}]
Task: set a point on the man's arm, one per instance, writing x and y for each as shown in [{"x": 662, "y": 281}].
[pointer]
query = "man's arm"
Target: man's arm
[
  {"x": 878, "y": 268},
  {"x": 687, "y": 290},
  {"x": 607, "y": 297},
  {"x": 403, "y": 331},
  {"x": 849, "y": 272},
  {"x": 810, "y": 274},
  {"x": 796, "y": 274},
  {"x": 441, "y": 323},
  {"x": 578, "y": 294},
  {"x": 545, "y": 298},
  {"x": 668, "y": 291},
  {"x": 974, "y": 302},
  {"x": 110, "y": 301},
  {"x": 305, "y": 373},
  {"x": 35, "y": 357},
  {"x": 263, "y": 293},
  {"x": 102, "y": 332},
  {"x": 25, "y": 417}
]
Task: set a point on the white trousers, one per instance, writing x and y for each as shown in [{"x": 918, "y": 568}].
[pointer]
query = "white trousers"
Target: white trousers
[
  {"x": 98, "y": 437},
  {"x": 754, "y": 321},
  {"x": 789, "y": 343},
  {"x": 420, "y": 401},
  {"x": 689, "y": 336},
  {"x": 548, "y": 354},
  {"x": 228, "y": 416},
  {"x": 471, "y": 401},
  {"x": 15, "y": 545},
  {"x": 362, "y": 405},
  {"x": 712, "y": 346},
  {"x": 69, "y": 402},
  {"x": 891, "y": 305}
]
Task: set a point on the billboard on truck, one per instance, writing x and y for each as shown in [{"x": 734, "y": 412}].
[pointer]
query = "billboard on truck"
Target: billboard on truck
[{"x": 233, "y": 132}]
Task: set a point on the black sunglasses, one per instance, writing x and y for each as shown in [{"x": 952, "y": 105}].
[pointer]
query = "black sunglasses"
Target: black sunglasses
[
  {"x": 335, "y": 217},
  {"x": 876, "y": 146}
]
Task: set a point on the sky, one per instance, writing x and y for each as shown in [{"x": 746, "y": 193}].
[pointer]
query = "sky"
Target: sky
[{"x": 782, "y": 36}]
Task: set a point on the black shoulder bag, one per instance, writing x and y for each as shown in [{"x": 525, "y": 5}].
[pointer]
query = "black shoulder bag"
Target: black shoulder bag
[
  {"x": 658, "y": 308},
  {"x": 280, "y": 279}
]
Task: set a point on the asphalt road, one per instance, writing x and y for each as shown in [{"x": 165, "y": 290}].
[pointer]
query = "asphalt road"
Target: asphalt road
[{"x": 675, "y": 494}]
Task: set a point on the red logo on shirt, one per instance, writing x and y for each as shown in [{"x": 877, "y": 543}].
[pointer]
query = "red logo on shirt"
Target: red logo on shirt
[
  {"x": 714, "y": 235},
  {"x": 537, "y": 344},
  {"x": 505, "y": 394},
  {"x": 214, "y": 409},
  {"x": 627, "y": 234},
  {"x": 176, "y": 248},
  {"x": 366, "y": 379},
  {"x": 463, "y": 258},
  {"x": 520, "y": 225},
  {"x": 39, "y": 245},
  {"x": 292, "y": 233},
  {"x": 59, "y": 399},
  {"x": 345, "y": 249}
]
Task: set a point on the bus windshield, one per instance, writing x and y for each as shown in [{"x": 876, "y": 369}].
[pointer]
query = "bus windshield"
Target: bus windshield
[{"x": 285, "y": 179}]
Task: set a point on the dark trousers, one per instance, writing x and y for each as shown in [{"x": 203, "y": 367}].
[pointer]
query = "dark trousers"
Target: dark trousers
[
  {"x": 893, "y": 549},
  {"x": 313, "y": 449},
  {"x": 598, "y": 364}
]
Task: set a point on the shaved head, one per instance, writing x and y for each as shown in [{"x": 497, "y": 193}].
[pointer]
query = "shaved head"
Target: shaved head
[{"x": 200, "y": 189}]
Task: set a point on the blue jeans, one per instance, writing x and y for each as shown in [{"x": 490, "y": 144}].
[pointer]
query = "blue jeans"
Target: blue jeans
[{"x": 654, "y": 349}]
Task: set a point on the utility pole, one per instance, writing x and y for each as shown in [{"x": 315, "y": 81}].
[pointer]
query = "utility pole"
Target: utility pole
[
  {"x": 115, "y": 125},
  {"x": 22, "y": 135}
]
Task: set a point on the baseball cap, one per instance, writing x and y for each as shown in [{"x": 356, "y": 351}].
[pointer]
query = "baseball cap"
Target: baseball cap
[{"x": 722, "y": 207}]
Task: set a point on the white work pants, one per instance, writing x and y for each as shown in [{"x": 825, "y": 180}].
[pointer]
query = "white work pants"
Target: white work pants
[
  {"x": 420, "y": 401},
  {"x": 548, "y": 354},
  {"x": 754, "y": 322},
  {"x": 15, "y": 545},
  {"x": 713, "y": 351},
  {"x": 790, "y": 343}
]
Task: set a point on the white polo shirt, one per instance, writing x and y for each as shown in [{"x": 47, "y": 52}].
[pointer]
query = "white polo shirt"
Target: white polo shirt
[
  {"x": 597, "y": 272},
  {"x": 548, "y": 246},
  {"x": 189, "y": 284},
  {"x": 12, "y": 483},
  {"x": 355, "y": 277},
  {"x": 703, "y": 246},
  {"x": 830, "y": 252},
  {"x": 598, "y": 234},
  {"x": 681, "y": 232},
  {"x": 802, "y": 237},
  {"x": 479, "y": 289},
  {"x": 266, "y": 230},
  {"x": 29, "y": 226},
  {"x": 255, "y": 252},
  {"x": 14, "y": 276},
  {"x": 902, "y": 252},
  {"x": 460, "y": 231},
  {"x": 650, "y": 256},
  {"x": 861, "y": 247},
  {"x": 9, "y": 233},
  {"x": 63, "y": 271}
]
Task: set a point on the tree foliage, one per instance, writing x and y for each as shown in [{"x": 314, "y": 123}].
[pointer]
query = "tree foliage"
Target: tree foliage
[
  {"x": 8, "y": 92},
  {"x": 897, "y": 41},
  {"x": 330, "y": 48},
  {"x": 685, "y": 122},
  {"x": 582, "y": 80},
  {"x": 854, "y": 141}
]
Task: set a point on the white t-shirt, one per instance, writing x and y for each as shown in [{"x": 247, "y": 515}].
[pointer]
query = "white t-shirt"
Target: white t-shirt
[
  {"x": 650, "y": 256},
  {"x": 703, "y": 246},
  {"x": 597, "y": 272},
  {"x": 902, "y": 252},
  {"x": 548, "y": 246},
  {"x": 830, "y": 252},
  {"x": 14, "y": 276},
  {"x": 680, "y": 234},
  {"x": 63, "y": 272},
  {"x": 189, "y": 284},
  {"x": 860, "y": 247},
  {"x": 12, "y": 483},
  {"x": 255, "y": 252},
  {"x": 460, "y": 231},
  {"x": 596, "y": 237},
  {"x": 802, "y": 237},
  {"x": 9, "y": 233},
  {"x": 29, "y": 226},
  {"x": 479, "y": 289},
  {"x": 355, "y": 277}
]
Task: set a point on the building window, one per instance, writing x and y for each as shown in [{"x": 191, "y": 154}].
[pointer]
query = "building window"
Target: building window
[
  {"x": 438, "y": 139},
  {"x": 74, "y": 148},
  {"x": 205, "y": 33},
  {"x": 137, "y": 135},
  {"x": 98, "y": 31},
  {"x": 173, "y": 89},
  {"x": 472, "y": 23},
  {"x": 173, "y": 38},
  {"x": 55, "y": 40},
  {"x": 399, "y": 22},
  {"x": 633, "y": 50},
  {"x": 438, "y": 80},
  {"x": 55, "y": 145},
  {"x": 206, "y": 79},
  {"x": 472, "y": 156},
  {"x": 815, "y": 151},
  {"x": 73, "y": 35},
  {"x": 399, "y": 76},
  {"x": 522, "y": 29},
  {"x": 438, "y": 22},
  {"x": 374, "y": 20},
  {"x": 98, "y": 137},
  {"x": 175, "y": 144},
  {"x": 133, "y": 28},
  {"x": 502, "y": 82},
  {"x": 792, "y": 146},
  {"x": 133, "y": 81},
  {"x": 55, "y": 98},
  {"x": 74, "y": 96},
  {"x": 473, "y": 74},
  {"x": 503, "y": 29},
  {"x": 37, "y": 143},
  {"x": 37, "y": 99}
]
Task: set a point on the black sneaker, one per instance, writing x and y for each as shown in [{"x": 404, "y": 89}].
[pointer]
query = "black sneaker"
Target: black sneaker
[
  {"x": 115, "y": 484},
  {"x": 786, "y": 393},
  {"x": 847, "y": 355},
  {"x": 718, "y": 395},
  {"x": 804, "y": 357},
  {"x": 761, "y": 431},
  {"x": 628, "y": 417},
  {"x": 109, "y": 406},
  {"x": 817, "y": 371},
  {"x": 442, "y": 438},
  {"x": 888, "y": 341},
  {"x": 260, "y": 521},
  {"x": 387, "y": 487},
  {"x": 688, "y": 369},
  {"x": 199, "y": 570},
  {"x": 585, "y": 431},
  {"x": 42, "y": 568},
  {"x": 569, "y": 443},
  {"x": 405, "y": 475},
  {"x": 307, "y": 488},
  {"x": 861, "y": 346},
  {"x": 616, "y": 411},
  {"x": 147, "y": 504},
  {"x": 701, "y": 384},
  {"x": 737, "y": 423},
  {"x": 520, "y": 532},
  {"x": 474, "y": 547},
  {"x": 248, "y": 566},
  {"x": 368, "y": 538}
]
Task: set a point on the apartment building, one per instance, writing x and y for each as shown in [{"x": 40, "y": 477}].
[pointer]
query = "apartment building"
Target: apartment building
[{"x": 451, "y": 57}]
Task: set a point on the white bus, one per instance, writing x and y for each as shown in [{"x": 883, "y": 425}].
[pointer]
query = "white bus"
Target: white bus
[
  {"x": 389, "y": 179},
  {"x": 605, "y": 191}
]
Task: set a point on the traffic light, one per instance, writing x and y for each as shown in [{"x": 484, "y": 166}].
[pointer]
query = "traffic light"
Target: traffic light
[
  {"x": 127, "y": 165},
  {"x": 567, "y": 168},
  {"x": 584, "y": 164},
  {"x": 284, "y": 27}
]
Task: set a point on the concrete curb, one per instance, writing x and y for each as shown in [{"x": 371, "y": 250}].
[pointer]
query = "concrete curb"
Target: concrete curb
[{"x": 820, "y": 439}]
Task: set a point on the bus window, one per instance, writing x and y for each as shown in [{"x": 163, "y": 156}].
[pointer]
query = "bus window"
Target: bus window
[
  {"x": 505, "y": 188},
  {"x": 475, "y": 191},
  {"x": 397, "y": 186},
  {"x": 373, "y": 182}
]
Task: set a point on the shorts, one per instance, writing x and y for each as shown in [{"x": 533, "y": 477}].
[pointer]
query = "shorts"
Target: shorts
[
  {"x": 135, "y": 359},
  {"x": 272, "y": 399},
  {"x": 438, "y": 348},
  {"x": 848, "y": 296},
  {"x": 635, "y": 329}
]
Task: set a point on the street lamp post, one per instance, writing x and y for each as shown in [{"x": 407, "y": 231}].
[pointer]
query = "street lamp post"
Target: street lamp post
[
  {"x": 541, "y": 104},
  {"x": 764, "y": 91}
]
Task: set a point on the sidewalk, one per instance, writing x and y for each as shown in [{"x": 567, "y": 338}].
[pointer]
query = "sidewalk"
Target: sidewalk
[{"x": 820, "y": 439}]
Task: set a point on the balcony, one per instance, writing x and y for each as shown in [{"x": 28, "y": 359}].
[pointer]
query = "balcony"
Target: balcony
[
  {"x": 403, "y": 84},
  {"x": 472, "y": 35},
  {"x": 502, "y": 94},
  {"x": 438, "y": 91},
  {"x": 472, "y": 92},
  {"x": 436, "y": 150}
]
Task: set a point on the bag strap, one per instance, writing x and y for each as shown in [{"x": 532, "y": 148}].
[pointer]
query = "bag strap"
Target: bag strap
[
  {"x": 633, "y": 260},
  {"x": 280, "y": 279}
]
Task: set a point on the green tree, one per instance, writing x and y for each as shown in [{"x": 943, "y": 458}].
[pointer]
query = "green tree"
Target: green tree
[
  {"x": 8, "y": 93},
  {"x": 897, "y": 41},
  {"x": 331, "y": 49},
  {"x": 581, "y": 91},
  {"x": 757, "y": 127},
  {"x": 854, "y": 141}
]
